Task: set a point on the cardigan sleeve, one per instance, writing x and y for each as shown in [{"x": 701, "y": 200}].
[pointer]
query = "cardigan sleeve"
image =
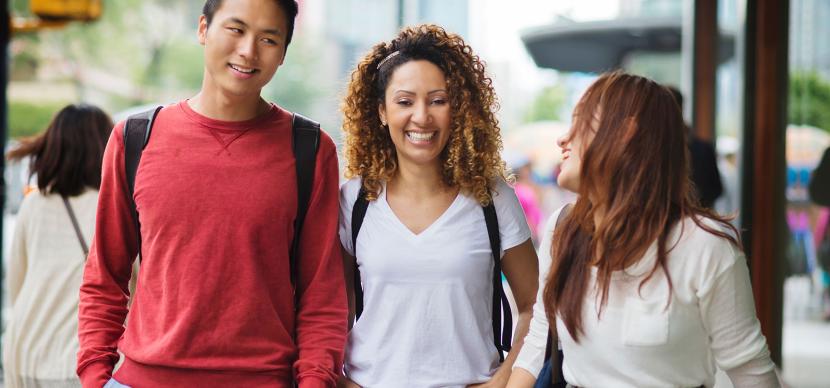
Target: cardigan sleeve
[{"x": 532, "y": 356}]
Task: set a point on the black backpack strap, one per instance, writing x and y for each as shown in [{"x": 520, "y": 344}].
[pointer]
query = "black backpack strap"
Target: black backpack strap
[
  {"x": 305, "y": 141},
  {"x": 361, "y": 204},
  {"x": 136, "y": 135},
  {"x": 502, "y": 317},
  {"x": 552, "y": 351}
]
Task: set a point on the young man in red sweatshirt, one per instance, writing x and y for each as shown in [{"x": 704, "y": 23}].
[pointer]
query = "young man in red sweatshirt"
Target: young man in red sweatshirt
[{"x": 216, "y": 196}]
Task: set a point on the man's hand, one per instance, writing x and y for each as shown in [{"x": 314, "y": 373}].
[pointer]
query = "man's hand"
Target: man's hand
[{"x": 344, "y": 382}]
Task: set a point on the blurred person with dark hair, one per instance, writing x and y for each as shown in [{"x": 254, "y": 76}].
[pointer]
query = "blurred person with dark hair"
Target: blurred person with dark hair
[
  {"x": 704, "y": 163},
  {"x": 219, "y": 301},
  {"x": 642, "y": 285},
  {"x": 46, "y": 261},
  {"x": 819, "y": 190}
]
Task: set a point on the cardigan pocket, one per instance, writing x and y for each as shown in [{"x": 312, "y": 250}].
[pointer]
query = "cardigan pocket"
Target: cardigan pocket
[{"x": 645, "y": 323}]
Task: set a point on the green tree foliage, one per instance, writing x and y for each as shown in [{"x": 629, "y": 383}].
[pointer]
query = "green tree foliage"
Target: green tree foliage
[
  {"x": 135, "y": 42},
  {"x": 293, "y": 86},
  {"x": 139, "y": 52},
  {"x": 28, "y": 119},
  {"x": 809, "y": 102},
  {"x": 548, "y": 104},
  {"x": 180, "y": 65}
]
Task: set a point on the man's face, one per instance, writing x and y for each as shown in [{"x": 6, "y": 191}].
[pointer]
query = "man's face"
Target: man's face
[{"x": 244, "y": 45}]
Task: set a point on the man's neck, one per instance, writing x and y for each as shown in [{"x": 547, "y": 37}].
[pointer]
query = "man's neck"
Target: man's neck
[{"x": 220, "y": 107}]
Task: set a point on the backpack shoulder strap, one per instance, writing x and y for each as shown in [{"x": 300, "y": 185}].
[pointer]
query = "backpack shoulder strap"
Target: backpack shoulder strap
[
  {"x": 502, "y": 317},
  {"x": 361, "y": 204},
  {"x": 137, "y": 130},
  {"x": 305, "y": 139}
]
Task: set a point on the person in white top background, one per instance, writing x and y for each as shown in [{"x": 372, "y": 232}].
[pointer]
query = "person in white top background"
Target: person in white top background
[
  {"x": 53, "y": 229},
  {"x": 423, "y": 144},
  {"x": 646, "y": 287}
]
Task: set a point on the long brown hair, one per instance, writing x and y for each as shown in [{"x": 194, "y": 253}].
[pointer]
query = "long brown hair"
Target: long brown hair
[
  {"x": 67, "y": 156},
  {"x": 635, "y": 171}
]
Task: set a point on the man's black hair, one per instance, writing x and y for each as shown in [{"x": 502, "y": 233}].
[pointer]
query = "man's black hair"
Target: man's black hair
[{"x": 288, "y": 6}]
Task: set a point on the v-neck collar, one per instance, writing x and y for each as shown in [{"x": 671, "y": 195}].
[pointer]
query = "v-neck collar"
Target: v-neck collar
[{"x": 435, "y": 223}]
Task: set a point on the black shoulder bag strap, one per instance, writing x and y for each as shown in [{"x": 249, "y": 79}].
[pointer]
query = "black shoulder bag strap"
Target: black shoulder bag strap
[
  {"x": 502, "y": 317},
  {"x": 361, "y": 204},
  {"x": 76, "y": 226},
  {"x": 553, "y": 352},
  {"x": 136, "y": 135},
  {"x": 305, "y": 141}
]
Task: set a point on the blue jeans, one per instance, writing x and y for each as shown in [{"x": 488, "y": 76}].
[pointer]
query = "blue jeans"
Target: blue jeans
[
  {"x": 115, "y": 384},
  {"x": 543, "y": 381}
]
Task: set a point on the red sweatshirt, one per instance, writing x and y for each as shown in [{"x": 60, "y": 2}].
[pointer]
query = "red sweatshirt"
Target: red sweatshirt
[{"x": 214, "y": 305}]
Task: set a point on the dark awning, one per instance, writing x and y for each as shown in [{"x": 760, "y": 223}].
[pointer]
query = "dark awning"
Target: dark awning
[{"x": 598, "y": 46}]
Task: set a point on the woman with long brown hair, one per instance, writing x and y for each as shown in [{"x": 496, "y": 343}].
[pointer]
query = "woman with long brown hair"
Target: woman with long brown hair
[
  {"x": 646, "y": 287},
  {"x": 53, "y": 229}
]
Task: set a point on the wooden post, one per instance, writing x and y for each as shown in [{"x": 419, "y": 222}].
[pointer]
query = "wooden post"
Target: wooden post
[
  {"x": 765, "y": 117},
  {"x": 704, "y": 69}
]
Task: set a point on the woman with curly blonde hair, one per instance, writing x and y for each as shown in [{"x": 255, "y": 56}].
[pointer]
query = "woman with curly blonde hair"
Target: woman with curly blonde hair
[{"x": 422, "y": 154}]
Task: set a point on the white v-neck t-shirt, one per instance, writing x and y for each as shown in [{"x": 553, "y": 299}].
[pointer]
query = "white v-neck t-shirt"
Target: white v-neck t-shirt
[{"x": 427, "y": 317}]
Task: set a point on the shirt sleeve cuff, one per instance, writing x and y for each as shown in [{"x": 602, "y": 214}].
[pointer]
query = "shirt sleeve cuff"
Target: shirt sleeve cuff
[
  {"x": 530, "y": 369},
  {"x": 313, "y": 382},
  {"x": 95, "y": 375}
]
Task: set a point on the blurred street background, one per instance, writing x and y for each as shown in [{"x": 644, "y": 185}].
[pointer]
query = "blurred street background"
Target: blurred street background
[{"x": 541, "y": 55}]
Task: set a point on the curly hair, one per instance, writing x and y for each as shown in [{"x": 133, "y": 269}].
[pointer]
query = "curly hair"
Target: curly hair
[{"x": 471, "y": 159}]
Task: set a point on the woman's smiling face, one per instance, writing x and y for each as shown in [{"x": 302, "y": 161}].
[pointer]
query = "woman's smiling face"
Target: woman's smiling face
[{"x": 416, "y": 109}]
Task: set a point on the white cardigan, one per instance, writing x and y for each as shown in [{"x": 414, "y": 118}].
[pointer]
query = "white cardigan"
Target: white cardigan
[
  {"x": 43, "y": 277},
  {"x": 638, "y": 341}
]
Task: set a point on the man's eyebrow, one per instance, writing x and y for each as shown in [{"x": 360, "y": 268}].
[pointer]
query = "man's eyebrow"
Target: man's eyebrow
[
  {"x": 272, "y": 31},
  {"x": 237, "y": 21}
]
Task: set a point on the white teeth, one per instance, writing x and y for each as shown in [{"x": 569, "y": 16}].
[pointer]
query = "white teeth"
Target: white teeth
[
  {"x": 419, "y": 136},
  {"x": 249, "y": 71}
]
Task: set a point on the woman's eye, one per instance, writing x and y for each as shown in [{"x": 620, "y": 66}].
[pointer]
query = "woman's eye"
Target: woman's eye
[
  {"x": 439, "y": 101},
  {"x": 404, "y": 102}
]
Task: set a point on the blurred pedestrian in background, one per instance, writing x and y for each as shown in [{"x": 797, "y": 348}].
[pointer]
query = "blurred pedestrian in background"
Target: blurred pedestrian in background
[
  {"x": 703, "y": 163},
  {"x": 528, "y": 192},
  {"x": 819, "y": 190},
  {"x": 820, "y": 183},
  {"x": 53, "y": 229}
]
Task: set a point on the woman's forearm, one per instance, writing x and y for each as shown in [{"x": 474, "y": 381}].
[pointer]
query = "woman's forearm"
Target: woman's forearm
[{"x": 522, "y": 327}]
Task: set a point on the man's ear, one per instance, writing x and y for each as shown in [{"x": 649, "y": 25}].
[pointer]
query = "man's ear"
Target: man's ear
[{"x": 202, "y": 31}]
